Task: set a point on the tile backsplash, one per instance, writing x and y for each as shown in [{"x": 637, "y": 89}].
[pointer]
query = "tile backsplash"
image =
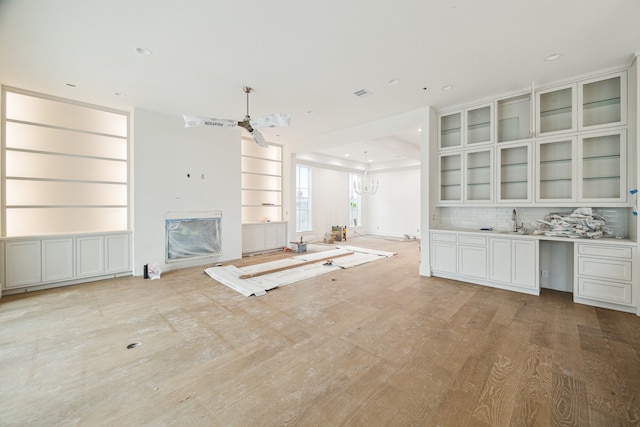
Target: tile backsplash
[{"x": 499, "y": 218}]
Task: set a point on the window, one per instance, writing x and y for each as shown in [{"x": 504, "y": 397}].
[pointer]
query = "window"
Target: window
[
  {"x": 65, "y": 166},
  {"x": 303, "y": 198},
  {"x": 355, "y": 202}
]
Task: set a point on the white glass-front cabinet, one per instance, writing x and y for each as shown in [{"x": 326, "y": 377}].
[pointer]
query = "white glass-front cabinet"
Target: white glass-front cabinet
[
  {"x": 514, "y": 166},
  {"x": 470, "y": 127},
  {"x": 478, "y": 176},
  {"x": 602, "y": 168},
  {"x": 603, "y": 101},
  {"x": 450, "y": 135},
  {"x": 556, "y": 110},
  {"x": 479, "y": 125},
  {"x": 466, "y": 176},
  {"x": 514, "y": 118},
  {"x": 588, "y": 169},
  {"x": 450, "y": 178},
  {"x": 588, "y": 105},
  {"x": 556, "y": 170}
]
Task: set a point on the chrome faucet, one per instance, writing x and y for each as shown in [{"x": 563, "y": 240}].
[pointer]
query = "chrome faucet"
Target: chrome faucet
[{"x": 514, "y": 218}]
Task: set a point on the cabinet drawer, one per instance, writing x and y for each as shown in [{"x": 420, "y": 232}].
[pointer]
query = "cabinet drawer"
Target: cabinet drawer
[
  {"x": 608, "y": 251},
  {"x": 443, "y": 237},
  {"x": 472, "y": 240},
  {"x": 602, "y": 290},
  {"x": 605, "y": 268}
]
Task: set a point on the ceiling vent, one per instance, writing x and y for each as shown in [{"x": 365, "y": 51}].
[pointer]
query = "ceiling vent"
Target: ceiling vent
[{"x": 362, "y": 93}]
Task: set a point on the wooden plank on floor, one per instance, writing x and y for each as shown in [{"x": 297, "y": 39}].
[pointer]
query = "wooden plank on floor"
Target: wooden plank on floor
[{"x": 276, "y": 269}]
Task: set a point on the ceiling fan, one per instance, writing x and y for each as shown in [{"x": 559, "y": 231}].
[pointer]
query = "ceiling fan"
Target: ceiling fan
[{"x": 249, "y": 124}]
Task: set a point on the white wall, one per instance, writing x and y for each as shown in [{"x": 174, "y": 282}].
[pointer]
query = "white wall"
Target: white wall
[
  {"x": 329, "y": 199},
  {"x": 395, "y": 209},
  {"x": 164, "y": 152}
]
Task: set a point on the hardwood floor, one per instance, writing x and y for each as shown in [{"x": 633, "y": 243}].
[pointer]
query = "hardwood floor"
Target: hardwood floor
[{"x": 372, "y": 345}]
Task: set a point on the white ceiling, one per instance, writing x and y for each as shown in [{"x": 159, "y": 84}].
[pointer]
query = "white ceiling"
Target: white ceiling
[{"x": 303, "y": 56}]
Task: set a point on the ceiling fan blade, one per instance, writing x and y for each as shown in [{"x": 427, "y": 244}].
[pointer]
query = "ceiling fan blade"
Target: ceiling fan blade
[
  {"x": 270, "y": 121},
  {"x": 258, "y": 138},
  {"x": 191, "y": 121}
]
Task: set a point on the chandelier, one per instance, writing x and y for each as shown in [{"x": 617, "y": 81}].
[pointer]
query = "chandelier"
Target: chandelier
[{"x": 365, "y": 186}]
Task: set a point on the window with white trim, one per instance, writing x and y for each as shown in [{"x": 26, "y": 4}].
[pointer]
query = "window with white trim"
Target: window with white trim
[
  {"x": 355, "y": 201},
  {"x": 303, "y": 199}
]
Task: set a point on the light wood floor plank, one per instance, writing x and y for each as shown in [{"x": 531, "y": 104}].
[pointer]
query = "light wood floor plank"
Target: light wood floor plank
[{"x": 371, "y": 345}]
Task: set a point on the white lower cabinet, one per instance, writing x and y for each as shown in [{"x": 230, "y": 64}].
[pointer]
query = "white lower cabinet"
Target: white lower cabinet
[
  {"x": 23, "y": 263},
  {"x": 116, "y": 250},
  {"x": 62, "y": 260},
  {"x": 275, "y": 235},
  {"x": 444, "y": 253},
  {"x": 502, "y": 262},
  {"x": 604, "y": 276},
  {"x": 514, "y": 262},
  {"x": 263, "y": 236},
  {"x": 57, "y": 259},
  {"x": 89, "y": 256},
  {"x": 472, "y": 256}
]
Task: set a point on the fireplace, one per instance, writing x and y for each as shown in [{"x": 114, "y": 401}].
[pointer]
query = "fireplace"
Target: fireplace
[{"x": 192, "y": 235}]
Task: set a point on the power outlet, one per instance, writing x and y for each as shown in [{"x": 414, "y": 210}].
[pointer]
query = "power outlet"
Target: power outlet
[{"x": 544, "y": 274}]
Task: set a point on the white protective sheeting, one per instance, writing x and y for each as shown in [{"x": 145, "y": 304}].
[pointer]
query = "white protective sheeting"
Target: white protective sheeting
[{"x": 292, "y": 270}]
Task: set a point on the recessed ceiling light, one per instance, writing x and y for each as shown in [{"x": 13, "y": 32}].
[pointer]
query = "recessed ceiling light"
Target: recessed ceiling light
[
  {"x": 447, "y": 87},
  {"x": 120, "y": 94},
  {"x": 394, "y": 81},
  {"x": 143, "y": 51},
  {"x": 309, "y": 112},
  {"x": 420, "y": 130},
  {"x": 346, "y": 155},
  {"x": 553, "y": 57}
]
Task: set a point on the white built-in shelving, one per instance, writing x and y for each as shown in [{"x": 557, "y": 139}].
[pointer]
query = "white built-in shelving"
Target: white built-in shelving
[
  {"x": 261, "y": 170},
  {"x": 66, "y": 166}
]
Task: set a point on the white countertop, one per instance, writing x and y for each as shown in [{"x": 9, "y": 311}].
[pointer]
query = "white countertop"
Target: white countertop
[{"x": 530, "y": 235}]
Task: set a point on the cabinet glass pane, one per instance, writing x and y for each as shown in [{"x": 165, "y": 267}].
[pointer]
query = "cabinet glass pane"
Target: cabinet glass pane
[
  {"x": 601, "y": 167},
  {"x": 601, "y": 102},
  {"x": 556, "y": 170},
  {"x": 556, "y": 110},
  {"x": 514, "y": 173},
  {"x": 514, "y": 118},
  {"x": 479, "y": 125},
  {"x": 450, "y": 130},
  {"x": 479, "y": 175},
  {"x": 451, "y": 178}
]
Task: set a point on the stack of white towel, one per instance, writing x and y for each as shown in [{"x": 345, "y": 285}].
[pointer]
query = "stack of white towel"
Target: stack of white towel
[{"x": 581, "y": 223}]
